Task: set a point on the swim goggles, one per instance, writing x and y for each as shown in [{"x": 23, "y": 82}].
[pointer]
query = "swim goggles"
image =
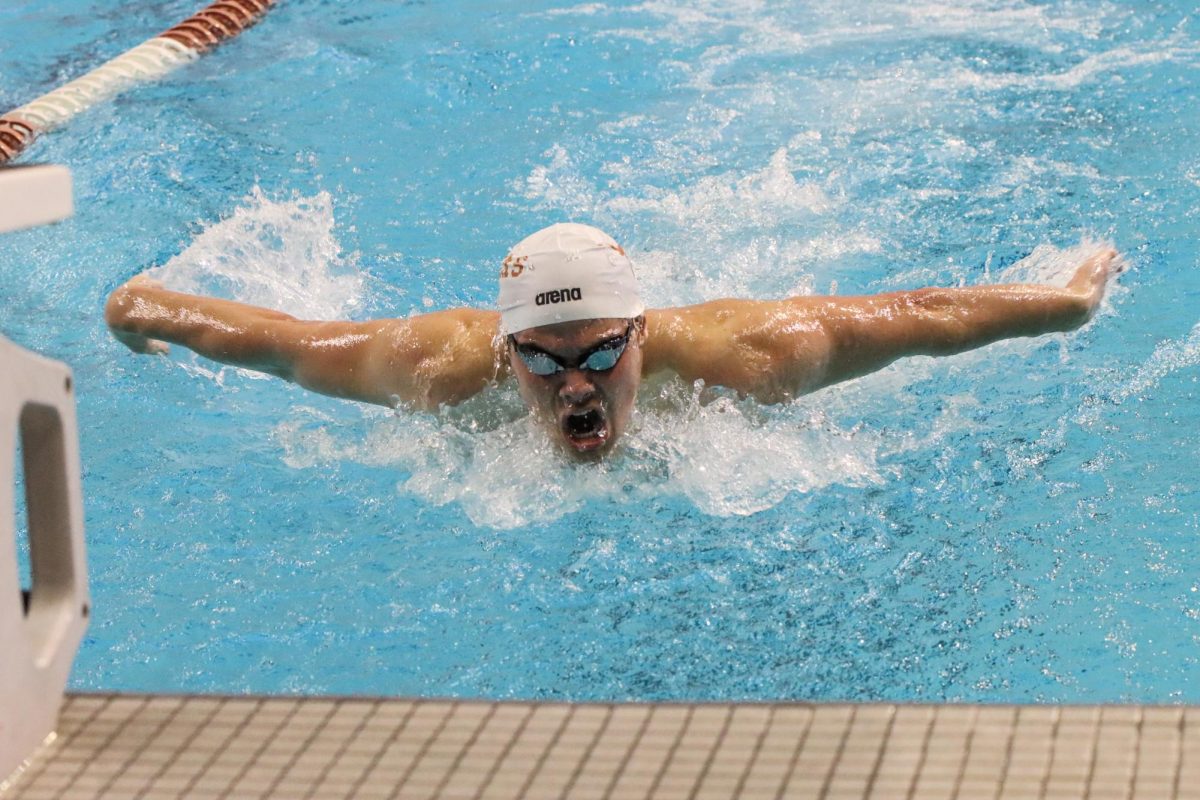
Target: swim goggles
[{"x": 600, "y": 358}]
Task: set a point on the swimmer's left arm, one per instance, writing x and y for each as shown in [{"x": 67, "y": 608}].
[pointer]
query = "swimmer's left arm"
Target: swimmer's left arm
[
  {"x": 776, "y": 350},
  {"x": 864, "y": 334}
]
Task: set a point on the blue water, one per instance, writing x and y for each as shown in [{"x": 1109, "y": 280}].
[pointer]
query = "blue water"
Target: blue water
[{"x": 1014, "y": 524}]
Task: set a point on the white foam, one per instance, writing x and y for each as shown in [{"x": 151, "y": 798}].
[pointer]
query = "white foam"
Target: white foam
[
  {"x": 1054, "y": 266},
  {"x": 281, "y": 254},
  {"x": 582, "y": 10},
  {"x": 733, "y": 457},
  {"x": 1089, "y": 69},
  {"x": 726, "y": 457},
  {"x": 759, "y": 197},
  {"x": 763, "y": 267},
  {"x": 762, "y": 30},
  {"x": 559, "y": 185},
  {"x": 1015, "y": 20}
]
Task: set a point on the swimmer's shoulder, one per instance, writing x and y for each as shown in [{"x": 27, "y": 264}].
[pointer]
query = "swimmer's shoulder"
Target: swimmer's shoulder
[
  {"x": 455, "y": 328},
  {"x": 704, "y": 329},
  {"x": 444, "y": 356},
  {"x": 693, "y": 341},
  {"x": 770, "y": 349}
]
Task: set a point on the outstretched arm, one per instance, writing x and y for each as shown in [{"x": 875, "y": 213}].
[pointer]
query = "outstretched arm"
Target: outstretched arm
[
  {"x": 423, "y": 361},
  {"x": 868, "y": 333},
  {"x": 775, "y": 350}
]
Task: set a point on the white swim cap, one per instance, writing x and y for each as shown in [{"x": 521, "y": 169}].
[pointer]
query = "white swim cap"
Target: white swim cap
[{"x": 564, "y": 273}]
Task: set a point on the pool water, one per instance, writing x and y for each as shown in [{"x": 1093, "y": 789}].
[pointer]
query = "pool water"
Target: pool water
[{"x": 1018, "y": 523}]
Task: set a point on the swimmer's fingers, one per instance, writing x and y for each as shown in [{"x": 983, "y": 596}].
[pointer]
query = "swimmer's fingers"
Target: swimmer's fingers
[
  {"x": 144, "y": 279},
  {"x": 1092, "y": 275},
  {"x": 114, "y": 311},
  {"x": 154, "y": 347},
  {"x": 141, "y": 344},
  {"x": 1097, "y": 266}
]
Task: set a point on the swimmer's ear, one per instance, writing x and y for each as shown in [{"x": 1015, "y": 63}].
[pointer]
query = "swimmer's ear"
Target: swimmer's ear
[{"x": 639, "y": 324}]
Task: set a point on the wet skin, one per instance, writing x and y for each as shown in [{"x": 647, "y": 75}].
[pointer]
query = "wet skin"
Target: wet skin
[{"x": 585, "y": 411}]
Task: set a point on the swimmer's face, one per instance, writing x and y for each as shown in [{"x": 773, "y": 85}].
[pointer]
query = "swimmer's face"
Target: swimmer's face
[{"x": 586, "y": 410}]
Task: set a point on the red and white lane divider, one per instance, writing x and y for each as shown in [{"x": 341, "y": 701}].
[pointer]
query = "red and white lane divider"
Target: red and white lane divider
[{"x": 152, "y": 59}]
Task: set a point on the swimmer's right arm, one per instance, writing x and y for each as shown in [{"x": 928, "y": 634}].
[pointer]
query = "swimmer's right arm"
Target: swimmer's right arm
[{"x": 421, "y": 362}]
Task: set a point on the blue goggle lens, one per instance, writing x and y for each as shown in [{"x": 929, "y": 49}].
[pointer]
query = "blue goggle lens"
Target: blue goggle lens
[
  {"x": 602, "y": 359},
  {"x": 539, "y": 363}
]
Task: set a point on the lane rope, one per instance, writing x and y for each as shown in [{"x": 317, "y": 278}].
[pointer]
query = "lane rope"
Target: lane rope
[{"x": 148, "y": 61}]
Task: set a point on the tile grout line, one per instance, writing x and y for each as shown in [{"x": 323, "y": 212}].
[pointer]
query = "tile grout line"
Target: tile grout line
[
  {"x": 883, "y": 744},
  {"x": 262, "y": 748},
  {"x": 341, "y": 751},
  {"x": 508, "y": 747},
  {"x": 424, "y": 749},
  {"x": 754, "y": 755},
  {"x": 183, "y": 746},
  {"x": 163, "y": 725},
  {"x": 968, "y": 744},
  {"x": 218, "y": 752},
  {"x": 791, "y": 770},
  {"x": 1009, "y": 743},
  {"x": 466, "y": 748},
  {"x": 281, "y": 772},
  {"x": 132, "y": 749},
  {"x": 1008, "y": 751},
  {"x": 545, "y": 755},
  {"x": 712, "y": 752},
  {"x": 253, "y": 758},
  {"x": 616, "y": 776},
  {"x": 1179, "y": 730},
  {"x": 124, "y": 724},
  {"x": 383, "y": 748},
  {"x": 1093, "y": 752},
  {"x": 966, "y": 756},
  {"x": 1137, "y": 745},
  {"x": 916, "y": 776},
  {"x": 1044, "y": 784},
  {"x": 671, "y": 751},
  {"x": 76, "y": 735},
  {"x": 832, "y": 771}
]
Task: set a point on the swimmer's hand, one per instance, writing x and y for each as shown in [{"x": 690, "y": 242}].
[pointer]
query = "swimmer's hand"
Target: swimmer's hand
[
  {"x": 142, "y": 344},
  {"x": 119, "y": 299},
  {"x": 1092, "y": 276}
]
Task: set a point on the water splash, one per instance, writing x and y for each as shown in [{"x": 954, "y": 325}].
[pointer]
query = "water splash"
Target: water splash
[
  {"x": 281, "y": 254},
  {"x": 763, "y": 29},
  {"x": 723, "y": 456}
]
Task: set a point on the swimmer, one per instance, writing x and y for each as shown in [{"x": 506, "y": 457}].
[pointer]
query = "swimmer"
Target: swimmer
[{"x": 573, "y": 332}]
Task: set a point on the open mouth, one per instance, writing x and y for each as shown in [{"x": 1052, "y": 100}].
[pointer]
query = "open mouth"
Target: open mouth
[{"x": 586, "y": 430}]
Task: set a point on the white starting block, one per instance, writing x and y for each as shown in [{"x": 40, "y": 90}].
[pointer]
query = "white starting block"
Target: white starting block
[
  {"x": 34, "y": 195},
  {"x": 40, "y": 625}
]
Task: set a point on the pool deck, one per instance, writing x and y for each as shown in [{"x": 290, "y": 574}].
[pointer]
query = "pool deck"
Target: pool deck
[{"x": 116, "y": 746}]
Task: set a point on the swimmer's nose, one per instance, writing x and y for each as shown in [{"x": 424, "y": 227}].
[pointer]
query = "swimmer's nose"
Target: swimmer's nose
[{"x": 577, "y": 388}]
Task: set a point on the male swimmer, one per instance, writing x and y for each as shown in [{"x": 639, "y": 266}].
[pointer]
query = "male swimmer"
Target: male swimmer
[{"x": 573, "y": 331}]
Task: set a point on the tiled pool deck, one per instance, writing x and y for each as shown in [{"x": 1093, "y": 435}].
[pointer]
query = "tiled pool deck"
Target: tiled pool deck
[{"x": 136, "y": 746}]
